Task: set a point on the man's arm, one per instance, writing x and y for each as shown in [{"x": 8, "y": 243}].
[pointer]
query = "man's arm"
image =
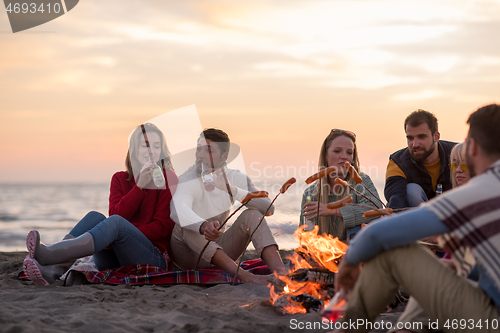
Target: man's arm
[
  {"x": 394, "y": 231},
  {"x": 384, "y": 234},
  {"x": 395, "y": 186},
  {"x": 181, "y": 205}
]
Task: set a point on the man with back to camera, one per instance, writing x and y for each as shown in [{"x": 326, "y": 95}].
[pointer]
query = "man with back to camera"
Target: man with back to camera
[
  {"x": 198, "y": 213},
  {"x": 469, "y": 214},
  {"x": 414, "y": 173}
]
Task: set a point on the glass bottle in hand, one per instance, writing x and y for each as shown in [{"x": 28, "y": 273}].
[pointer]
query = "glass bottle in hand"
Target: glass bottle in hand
[
  {"x": 158, "y": 178},
  {"x": 336, "y": 308},
  {"x": 208, "y": 178}
]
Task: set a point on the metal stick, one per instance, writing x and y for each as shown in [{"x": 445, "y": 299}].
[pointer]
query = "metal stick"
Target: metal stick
[
  {"x": 250, "y": 238},
  {"x": 364, "y": 196},
  {"x": 383, "y": 204},
  {"x": 368, "y": 208}
]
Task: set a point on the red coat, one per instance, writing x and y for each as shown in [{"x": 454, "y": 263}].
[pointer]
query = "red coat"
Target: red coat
[{"x": 148, "y": 210}]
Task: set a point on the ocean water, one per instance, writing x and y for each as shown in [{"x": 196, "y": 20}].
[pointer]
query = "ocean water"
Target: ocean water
[{"x": 53, "y": 209}]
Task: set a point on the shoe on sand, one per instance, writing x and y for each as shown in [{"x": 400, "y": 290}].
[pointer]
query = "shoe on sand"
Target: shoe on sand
[
  {"x": 32, "y": 242},
  {"x": 32, "y": 271},
  {"x": 60, "y": 252}
]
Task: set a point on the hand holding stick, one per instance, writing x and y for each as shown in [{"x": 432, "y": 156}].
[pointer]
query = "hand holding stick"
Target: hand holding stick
[
  {"x": 389, "y": 211},
  {"x": 317, "y": 176},
  {"x": 246, "y": 199}
]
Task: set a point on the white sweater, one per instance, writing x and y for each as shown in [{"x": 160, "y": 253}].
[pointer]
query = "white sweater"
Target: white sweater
[{"x": 192, "y": 205}]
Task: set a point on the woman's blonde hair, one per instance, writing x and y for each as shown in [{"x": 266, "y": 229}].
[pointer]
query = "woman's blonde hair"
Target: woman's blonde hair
[
  {"x": 131, "y": 162},
  {"x": 457, "y": 153},
  {"x": 323, "y": 186}
]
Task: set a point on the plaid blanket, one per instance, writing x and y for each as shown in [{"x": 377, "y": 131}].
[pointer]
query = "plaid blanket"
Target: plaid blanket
[{"x": 147, "y": 274}]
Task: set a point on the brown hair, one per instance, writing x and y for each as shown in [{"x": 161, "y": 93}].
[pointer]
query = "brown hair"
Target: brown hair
[
  {"x": 322, "y": 184},
  {"x": 421, "y": 116},
  {"x": 219, "y": 136},
  {"x": 484, "y": 129},
  {"x": 131, "y": 162}
]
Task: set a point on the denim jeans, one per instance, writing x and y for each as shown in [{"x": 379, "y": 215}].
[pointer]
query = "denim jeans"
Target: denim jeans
[
  {"x": 351, "y": 232},
  {"x": 129, "y": 246},
  {"x": 415, "y": 195}
]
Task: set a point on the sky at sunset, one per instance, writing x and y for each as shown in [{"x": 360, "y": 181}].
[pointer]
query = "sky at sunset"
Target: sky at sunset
[{"x": 275, "y": 75}]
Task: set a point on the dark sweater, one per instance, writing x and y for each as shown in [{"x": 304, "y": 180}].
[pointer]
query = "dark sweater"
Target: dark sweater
[{"x": 395, "y": 186}]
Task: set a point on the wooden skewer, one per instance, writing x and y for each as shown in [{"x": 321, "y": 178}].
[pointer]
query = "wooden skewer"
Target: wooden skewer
[
  {"x": 382, "y": 212},
  {"x": 283, "y": 189},
  {"x": 318, "y": 176},
  {"x": 343, "y": 183},
  {"x": 357, "y": 178},
  {"x": 378, "y": 212}
]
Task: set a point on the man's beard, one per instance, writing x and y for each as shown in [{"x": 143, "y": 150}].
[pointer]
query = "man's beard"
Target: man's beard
[
  {"x": 425, "y": 154},
  {"x": 468, "y": 160}
]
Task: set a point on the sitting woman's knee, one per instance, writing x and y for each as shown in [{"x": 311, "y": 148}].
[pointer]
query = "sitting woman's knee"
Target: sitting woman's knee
[
  {"x": 117, "y": 220},
  {"x": 95, "y": 215}
]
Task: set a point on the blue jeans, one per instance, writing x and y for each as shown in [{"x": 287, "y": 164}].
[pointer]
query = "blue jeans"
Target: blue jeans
[
  {"x": 415, "y": 195},
  {"x": 129, "y": 246},
  {"x": 351, "y": 232}
]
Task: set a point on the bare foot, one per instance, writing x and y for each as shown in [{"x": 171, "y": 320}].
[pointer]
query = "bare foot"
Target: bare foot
[{"x": 262, "y": 280}]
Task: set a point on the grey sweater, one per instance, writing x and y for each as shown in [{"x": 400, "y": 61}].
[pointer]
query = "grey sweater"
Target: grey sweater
[{"x": 351, "y": 216}]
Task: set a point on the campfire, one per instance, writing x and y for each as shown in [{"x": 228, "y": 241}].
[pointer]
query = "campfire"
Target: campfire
[{"x": 309, "y": 285}]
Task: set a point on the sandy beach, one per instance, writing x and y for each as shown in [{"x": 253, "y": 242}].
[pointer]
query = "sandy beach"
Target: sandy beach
[{"x": 25, "y": 307}]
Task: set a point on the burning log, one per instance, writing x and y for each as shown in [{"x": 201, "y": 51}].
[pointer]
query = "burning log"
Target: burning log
[
  {"x": 303, "y": 253},
  {"x": 309, "y": 285},
  {"x": 310, "y": 303},
  {"x": 324, "y": 250},
  {"x": 319, "y": 276},
  {"x": 288, "y": 304}
]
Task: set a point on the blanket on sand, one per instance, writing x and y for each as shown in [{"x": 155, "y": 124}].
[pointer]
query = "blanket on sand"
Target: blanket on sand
[{"x": 147, "y": 274}]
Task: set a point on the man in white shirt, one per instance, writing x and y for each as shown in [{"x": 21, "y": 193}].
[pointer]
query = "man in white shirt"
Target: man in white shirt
[{"x": 198, "y": 213}]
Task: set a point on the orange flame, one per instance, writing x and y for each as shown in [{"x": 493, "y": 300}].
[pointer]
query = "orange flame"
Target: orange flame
[{"x": 324, "y": 251}]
